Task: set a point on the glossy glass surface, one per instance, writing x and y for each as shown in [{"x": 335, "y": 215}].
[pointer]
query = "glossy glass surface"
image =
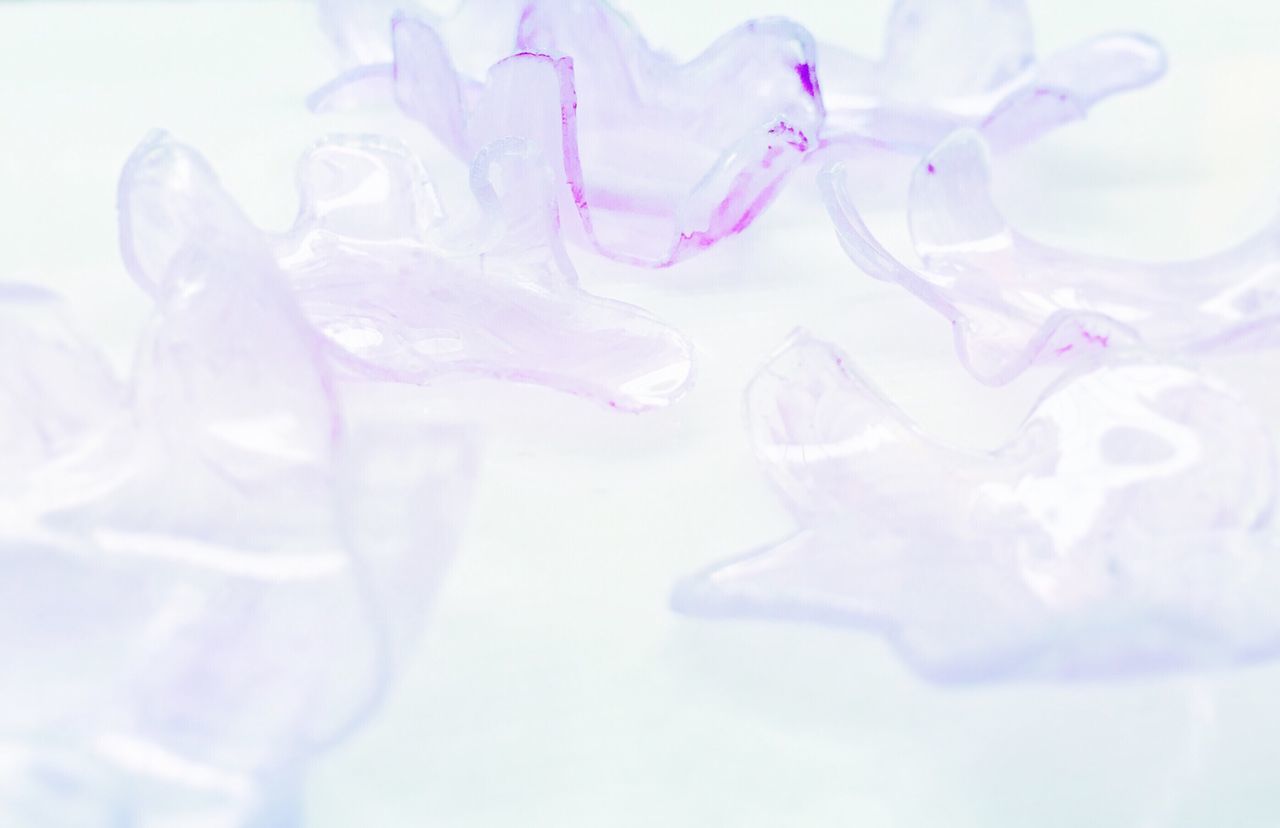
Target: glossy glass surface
[
  {"x": 397, "y": 290},
  {"x": 972, "y": 63},
  {"x": 659, "y": 159},
  {"x": 209, "y": 574},
  {"x": 1014, "y": 302},
  {"x": 1127, "y": 526}
]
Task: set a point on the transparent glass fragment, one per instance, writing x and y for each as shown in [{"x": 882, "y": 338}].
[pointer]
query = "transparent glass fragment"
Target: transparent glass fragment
[
  {"x": 1127, "y": 527},
  {"x": 949, "y": 64},
  {"x": 1014, "y": 302},
  {"x": 208, "y": 576},
  {"x": 397, "y": 290},
  {"x": 659, "y": 159}
]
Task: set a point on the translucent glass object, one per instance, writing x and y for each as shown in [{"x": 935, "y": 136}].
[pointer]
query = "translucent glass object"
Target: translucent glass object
[
  {"x": 400, "y": 291},
  {"x": 207, "y": 574},
  {"x": 1127, "y": 527},
  {"x": 971, "y": 63},
  {"x": 658, "y": 159},
  {"x": 1014, "y": 302}
]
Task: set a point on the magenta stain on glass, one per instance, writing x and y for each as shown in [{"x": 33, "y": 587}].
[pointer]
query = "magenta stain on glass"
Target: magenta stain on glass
[
  {"x": 658, "y": 159},
  {"x": 1127, "y": 527},
  {"x": 1014, "y": 302},
  {"x": 807, "y": 79},
  {"x": 398, "y": 290}
]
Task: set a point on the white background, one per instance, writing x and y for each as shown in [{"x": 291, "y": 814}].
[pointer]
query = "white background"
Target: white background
[{"x": 554, "y": 687}]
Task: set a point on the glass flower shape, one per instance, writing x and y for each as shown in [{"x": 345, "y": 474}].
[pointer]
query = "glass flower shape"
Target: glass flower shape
[
  {"x": 1014, "y": 302},
  {"x": 659, "y": 159},
  {"x": 401, "y": 292},
  {"x": 207, "y": 574},
  {"x": 1127, "y": 527},
  {"x": 949, "y": 64}
]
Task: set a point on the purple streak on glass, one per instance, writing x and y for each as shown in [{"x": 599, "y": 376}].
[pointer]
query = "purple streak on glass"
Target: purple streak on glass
[
  {"x": 659, "y": 159},
  {"x": 1014, "y": 302}
]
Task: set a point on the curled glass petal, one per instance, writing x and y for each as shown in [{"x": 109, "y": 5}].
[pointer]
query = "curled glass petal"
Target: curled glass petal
[
  {"x": 1014, "y": 302},
  {"x": 656, "y": 158},
  {"x": 1128, "y": 526},
  {"x": 208, "y": 579},
  {"x": 398, "y": 291},
  {"x": 955, "y": 63}
]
